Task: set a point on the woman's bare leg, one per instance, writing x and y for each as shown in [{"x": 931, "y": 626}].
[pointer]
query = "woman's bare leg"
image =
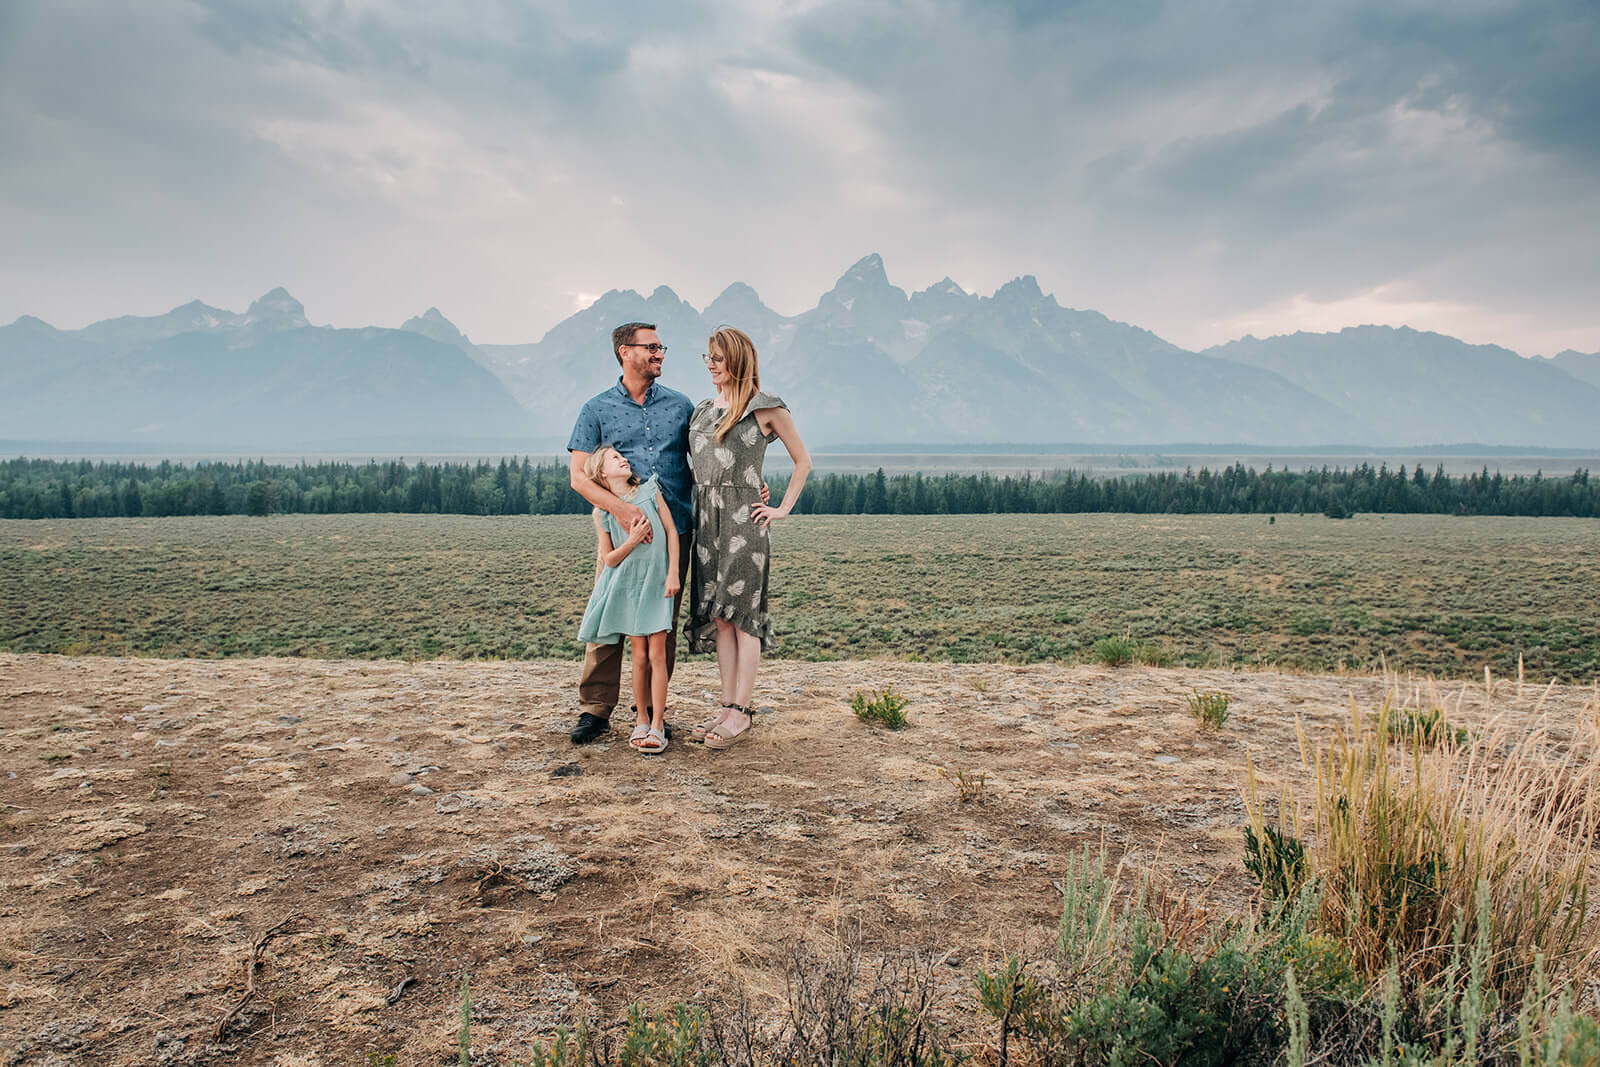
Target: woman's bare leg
[{"x": 749, "y": 662}]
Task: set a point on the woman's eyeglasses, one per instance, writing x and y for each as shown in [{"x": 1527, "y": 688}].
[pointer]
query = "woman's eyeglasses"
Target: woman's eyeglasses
[{"x": 712, "y": 361}]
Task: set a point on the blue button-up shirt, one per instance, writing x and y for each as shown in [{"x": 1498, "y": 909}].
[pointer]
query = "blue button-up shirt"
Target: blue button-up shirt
[{"x": 653, "y": 437}]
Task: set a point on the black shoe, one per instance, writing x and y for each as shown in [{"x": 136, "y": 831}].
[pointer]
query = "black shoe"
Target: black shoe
[{"x": 589, "y": 727}]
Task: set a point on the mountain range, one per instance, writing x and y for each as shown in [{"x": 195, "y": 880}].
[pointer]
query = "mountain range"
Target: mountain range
[{"x": 869, "y": 364}]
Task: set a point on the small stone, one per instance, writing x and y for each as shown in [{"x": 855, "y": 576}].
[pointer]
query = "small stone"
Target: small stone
[
  {"x": 420, "y": 790},
  {"x": 1166, "y": 759},
  {"x": 451, "y": 803},
  {"x": 290, "y": 719},
  {"x": 566, "y": 770},
  {"x": 401, "y": 778}
]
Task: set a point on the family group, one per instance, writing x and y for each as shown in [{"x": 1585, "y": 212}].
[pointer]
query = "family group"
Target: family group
[{"x": 680, "y": 504}]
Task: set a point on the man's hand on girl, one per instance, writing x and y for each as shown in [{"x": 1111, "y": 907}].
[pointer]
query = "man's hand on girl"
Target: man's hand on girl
[
  {"x": 629, "y": 516},
  {"x": 640, "y": 530}
]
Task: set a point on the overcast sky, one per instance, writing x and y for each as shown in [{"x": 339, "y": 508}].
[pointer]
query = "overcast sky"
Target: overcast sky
[{"x": 1202, "y": 169}]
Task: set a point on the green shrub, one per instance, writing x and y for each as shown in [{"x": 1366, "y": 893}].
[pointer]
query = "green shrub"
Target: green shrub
[
  {"x": 1120, "y": 651},
  {"x": 882, "y": 708},
  {"x": 1116, "y": 651},
  {"x": 1277, "y": 860},
  {"x": 1209, "y": 709},
  {"x": 1149, "y": 980},
  {"x": 1427, "y": 727}
]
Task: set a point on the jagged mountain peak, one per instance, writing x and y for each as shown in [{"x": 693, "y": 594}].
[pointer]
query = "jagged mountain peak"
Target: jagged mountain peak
[
  {"x": 1022, "y": 290},
  {"x": 433, "y": 325},
  {"x": 737, "y": 291},
  {"x": 735, "y": 305},
  {"x": 277, "y": 309},
  {"x": 866, "y": 271}
]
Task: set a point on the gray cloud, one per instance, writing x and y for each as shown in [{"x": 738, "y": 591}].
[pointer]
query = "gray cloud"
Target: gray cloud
[{"x": 1187, "y": 167}]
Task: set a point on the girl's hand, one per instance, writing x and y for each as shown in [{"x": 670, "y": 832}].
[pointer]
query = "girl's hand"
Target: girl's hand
[
  {"x": 673, "y": 585},
  {"x": 640, "y": 530},
  {"x": 762, "y": 515}
]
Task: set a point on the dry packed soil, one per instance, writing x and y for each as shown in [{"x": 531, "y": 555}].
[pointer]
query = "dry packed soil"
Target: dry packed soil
[{"x": 371, "y": 830}]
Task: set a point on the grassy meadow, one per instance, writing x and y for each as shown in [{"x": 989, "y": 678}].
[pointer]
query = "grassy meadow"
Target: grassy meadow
[{"x": 1430, "y": 593}]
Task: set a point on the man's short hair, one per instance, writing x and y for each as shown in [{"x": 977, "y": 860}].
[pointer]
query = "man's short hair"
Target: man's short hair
[{"x": 624, "y": 334}]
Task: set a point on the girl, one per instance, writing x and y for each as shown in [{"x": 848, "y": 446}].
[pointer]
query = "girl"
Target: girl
[
  {"x": 634, "y": 585},
  {"x": 728, "y": 438}
]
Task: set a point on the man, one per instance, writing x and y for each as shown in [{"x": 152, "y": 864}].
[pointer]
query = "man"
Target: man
[{"x": 649, "y": 424}]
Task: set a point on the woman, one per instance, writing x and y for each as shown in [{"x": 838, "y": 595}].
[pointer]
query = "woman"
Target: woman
[{"x": 728, "y": 438}]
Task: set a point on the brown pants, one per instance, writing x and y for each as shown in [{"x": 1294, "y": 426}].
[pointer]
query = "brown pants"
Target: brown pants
[{"x": 601, "y": 679}]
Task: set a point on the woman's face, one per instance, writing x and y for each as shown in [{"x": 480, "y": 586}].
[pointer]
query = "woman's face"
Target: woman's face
[
  {"x": 717, "y": 366},
  {"x": 615, "y": 465}
]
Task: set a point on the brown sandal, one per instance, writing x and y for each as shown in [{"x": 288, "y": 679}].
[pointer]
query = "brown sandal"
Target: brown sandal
[
  {"x": 716, "y": 739},
  {"x": 697, "y": 732}
]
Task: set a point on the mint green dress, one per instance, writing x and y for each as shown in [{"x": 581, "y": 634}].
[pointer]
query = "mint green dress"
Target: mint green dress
[{"x": 631, "y": 599}]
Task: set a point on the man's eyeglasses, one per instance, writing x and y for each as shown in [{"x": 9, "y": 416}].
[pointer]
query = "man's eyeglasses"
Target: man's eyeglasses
[
  {"x": 713, "y": 361},
  {"x": 653, "y": 349}
]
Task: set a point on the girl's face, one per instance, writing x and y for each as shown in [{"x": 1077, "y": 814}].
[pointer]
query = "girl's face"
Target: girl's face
[
  {"x": 717, "y": 365},
  {"x": 615, "y": 465}
]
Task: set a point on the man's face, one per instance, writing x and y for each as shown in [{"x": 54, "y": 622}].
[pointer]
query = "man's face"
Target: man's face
[{"x": 638, "y": 358}]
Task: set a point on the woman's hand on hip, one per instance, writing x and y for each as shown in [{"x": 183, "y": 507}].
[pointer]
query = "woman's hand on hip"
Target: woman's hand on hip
[{"x": 762, "y": 514}]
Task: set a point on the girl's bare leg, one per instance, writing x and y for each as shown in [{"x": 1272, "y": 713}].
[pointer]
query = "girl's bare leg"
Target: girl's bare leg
[
  {"x": 641, "y": 677},
  {"x": 658, "y": 681}
]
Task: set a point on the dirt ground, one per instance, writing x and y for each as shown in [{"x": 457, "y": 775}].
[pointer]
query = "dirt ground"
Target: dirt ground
[{"x": 373, "y": 830}]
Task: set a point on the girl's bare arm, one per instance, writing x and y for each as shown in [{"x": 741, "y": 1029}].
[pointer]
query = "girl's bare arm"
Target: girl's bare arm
[{"x": 638, "y": 532}]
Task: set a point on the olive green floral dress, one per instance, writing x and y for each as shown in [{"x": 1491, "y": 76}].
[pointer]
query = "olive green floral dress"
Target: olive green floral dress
[{"x": 728, "y": 574}]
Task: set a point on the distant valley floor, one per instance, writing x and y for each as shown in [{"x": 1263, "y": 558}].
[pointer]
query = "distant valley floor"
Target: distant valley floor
[{"x": 1434, "y": 593}]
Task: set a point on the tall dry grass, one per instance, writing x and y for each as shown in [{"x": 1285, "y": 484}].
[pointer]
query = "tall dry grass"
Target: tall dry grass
[{"x": 1411, "y": 817}]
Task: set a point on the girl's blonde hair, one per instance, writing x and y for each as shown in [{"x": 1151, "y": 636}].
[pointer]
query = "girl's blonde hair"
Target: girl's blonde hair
[
  {"x": 597, "y": 460},
  {"x": 738, "y": 354}
]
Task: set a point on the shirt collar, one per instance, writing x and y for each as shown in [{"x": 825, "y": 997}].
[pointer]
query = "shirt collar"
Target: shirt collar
[{"x": 649, "y": 394}]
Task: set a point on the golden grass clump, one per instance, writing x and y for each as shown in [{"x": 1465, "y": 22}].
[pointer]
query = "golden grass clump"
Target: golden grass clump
[{"x": 1409, "y": 827}]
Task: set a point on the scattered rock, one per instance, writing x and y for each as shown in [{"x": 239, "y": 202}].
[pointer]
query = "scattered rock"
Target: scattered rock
[
  {"x": 451, "y": 803},
  {"x": 566, "y": 770},
  {"x": 1166, "y": 759},
  {"x": 402, "y": 778},
  {"x": 420, "y": 790}
]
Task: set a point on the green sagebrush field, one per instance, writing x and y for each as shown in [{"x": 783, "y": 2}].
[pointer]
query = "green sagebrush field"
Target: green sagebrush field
[{"x": 1438, "y": 594}]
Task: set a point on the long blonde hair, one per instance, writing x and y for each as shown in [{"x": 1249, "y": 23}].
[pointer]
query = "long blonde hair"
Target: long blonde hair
[
  {"x": 597, "y": 460},
  {"x": 739, "y": 363}
]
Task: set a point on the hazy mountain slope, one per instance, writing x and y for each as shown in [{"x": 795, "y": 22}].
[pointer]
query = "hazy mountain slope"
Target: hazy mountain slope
[
  {"x": 1414, "y": 388},
  {"x": 866, "y": 364},
  {"x": 1582, "y": 366},
  {"x": 574, "y": 361},
  {"x": 264, "y": 378}
]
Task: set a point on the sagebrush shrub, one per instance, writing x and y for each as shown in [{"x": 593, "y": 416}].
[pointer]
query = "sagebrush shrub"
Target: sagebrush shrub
[{"x": 882, "y": 708}]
